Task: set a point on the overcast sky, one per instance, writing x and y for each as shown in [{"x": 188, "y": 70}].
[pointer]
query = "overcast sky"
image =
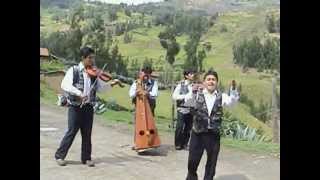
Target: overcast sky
[{"x": 129, "y": 2}]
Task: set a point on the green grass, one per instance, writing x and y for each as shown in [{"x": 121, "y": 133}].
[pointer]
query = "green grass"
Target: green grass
[
  {"x": 51, "y": 66},
  {"x": 47, "y": 95},
  {"x": 252, "y": 147}
]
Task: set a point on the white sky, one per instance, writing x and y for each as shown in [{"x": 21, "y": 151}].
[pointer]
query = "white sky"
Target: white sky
[{"x": 129, "y": 2}]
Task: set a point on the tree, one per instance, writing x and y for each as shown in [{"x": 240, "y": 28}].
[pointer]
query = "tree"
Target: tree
[
  {"x": 76, "y": 16},
  {"x": 147, "y": 62},
  {"x": 191, "y": 51},
  {"x": 168, "y": 41},
  {"x": 127, "y": 38},
  {"x": 272, "y": 23},
  {"x": 74, "y": 42},
  {"x": 201, "y": 55},
  {"x": 127, "y": 12},
  {"x": 112, "y": 15},
  {"x": 95, "y": 34},
  {"x": 252, "y": 53}
]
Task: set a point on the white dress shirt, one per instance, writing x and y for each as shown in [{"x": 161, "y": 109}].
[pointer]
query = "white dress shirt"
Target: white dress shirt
[
  {"x": 153, "y": 93},
  {"x": 67, "y": 81},
  {"x": 210, "y": 99}
]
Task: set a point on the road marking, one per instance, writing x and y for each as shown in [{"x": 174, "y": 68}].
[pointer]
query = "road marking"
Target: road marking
[{"x": 48, "y": 129}]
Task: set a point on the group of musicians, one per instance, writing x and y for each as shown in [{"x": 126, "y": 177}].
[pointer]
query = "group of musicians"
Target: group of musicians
[{"x": 199, "y": 112}]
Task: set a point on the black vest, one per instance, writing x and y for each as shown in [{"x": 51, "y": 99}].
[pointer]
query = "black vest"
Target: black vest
[
  {"x": 78, "y": 82},
  {"x": 202, "y": 122},
  {"x": 183, "y": 90}
]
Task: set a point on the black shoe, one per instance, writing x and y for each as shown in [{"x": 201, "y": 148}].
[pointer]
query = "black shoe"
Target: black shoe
[
  {"x": 90, "y": 163},
  {"x": 61, "y": 162}
]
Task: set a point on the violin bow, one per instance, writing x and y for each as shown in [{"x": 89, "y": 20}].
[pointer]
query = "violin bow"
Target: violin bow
[{"x": 94, "y": 83}]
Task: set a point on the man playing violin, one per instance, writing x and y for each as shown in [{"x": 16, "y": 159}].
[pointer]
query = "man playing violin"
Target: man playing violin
[{"x": 81, "y": 90}]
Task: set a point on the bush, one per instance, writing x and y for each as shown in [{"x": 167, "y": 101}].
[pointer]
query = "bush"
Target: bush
[
  {"x": 223, "y": 28},
  {"x": 233, "y": 128}
]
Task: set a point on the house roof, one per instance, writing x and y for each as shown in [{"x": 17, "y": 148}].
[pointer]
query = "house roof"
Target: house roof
[{"x": 44, "y": 52}]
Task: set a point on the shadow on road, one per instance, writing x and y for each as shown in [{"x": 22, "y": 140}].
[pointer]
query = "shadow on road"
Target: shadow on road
[
  {"x": 73, "y": 162},
  {"x": 232, "y": 177},
  {"x": 119, "y": 158},
  {"x": 160, "y": 151}
]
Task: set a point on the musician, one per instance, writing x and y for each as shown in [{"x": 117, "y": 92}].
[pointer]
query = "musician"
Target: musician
[
  {"x": 81, "y": 93},
  {"x": 184, "y": 121},
  {"x": 151, "y": 88},
  {"x": 206, "y": 101},
  {"x": 233, "y": 89}
]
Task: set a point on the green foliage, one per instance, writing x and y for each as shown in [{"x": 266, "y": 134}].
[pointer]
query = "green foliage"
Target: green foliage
[
  {"x": 195, "y": 53},
  {"x": 148, "y": 62},
  {"x": 223, "y": 28},
  {"x": 168, "y": 41},
  {"x": 273, "y": 23},
  {"x": 120, "y": 28},
  {"x": 112, "y": 14},
  {"x": 76, "y": 16},
  {"x": 127, "y": 37},
  {"x": 127, "y": 12},
  {"x": 233, "y": 128},
  {"x": 252, "y": 53},
  {"x": 261, "y": 112}
]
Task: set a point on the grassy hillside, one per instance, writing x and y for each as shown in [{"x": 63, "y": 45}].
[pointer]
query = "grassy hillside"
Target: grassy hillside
[{"x": 239, "y": 25}]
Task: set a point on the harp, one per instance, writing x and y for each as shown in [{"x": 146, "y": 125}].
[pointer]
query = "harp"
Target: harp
[{"x": 146, "y": 133}]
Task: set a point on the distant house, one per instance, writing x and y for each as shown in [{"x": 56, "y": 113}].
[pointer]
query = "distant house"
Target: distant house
[{"x": 44, "y": 55}]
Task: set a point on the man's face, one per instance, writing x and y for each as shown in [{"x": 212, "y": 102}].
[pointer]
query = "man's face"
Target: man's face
[
  {"x": 89, "y": 60},
  {"x": 190, "y": 76},
  {"x": 210, "y": 83},
  {"x": 147, "y": 75}
]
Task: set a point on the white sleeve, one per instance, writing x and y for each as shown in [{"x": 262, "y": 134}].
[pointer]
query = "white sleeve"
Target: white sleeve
[
  {"x": 102, "y": 86},
  {"x": 67, "y": 81},
  {"x": 189, "y": 99},
  {"x": 176, "y": 93},
  {"x": 229, "y": 100},
  {"x": 188, "y": 96},
  {"x": 132, "y": 91},
  {"x": 154, "y": 90}
]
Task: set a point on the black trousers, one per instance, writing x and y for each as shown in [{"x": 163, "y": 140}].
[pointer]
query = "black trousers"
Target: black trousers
[
  {"x": 152, "y": 103},
  {"x": 78, "y": 118},
  {"x": 198, "y": 143},
  {"x": 183, "y": 128}
]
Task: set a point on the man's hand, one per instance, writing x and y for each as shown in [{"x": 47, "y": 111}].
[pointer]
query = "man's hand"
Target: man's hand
[
  {"x": 196, "y": 87},
  {"x": 141, "y": 92},
  {"x": 117, "y": 81},
  {"x": 82, "y": 98}
]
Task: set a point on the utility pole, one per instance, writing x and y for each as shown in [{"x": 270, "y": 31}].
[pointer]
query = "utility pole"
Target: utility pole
[{"x": 275, "y": 121}]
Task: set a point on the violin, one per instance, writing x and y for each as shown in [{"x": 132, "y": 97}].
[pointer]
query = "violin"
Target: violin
[{"x": 95, "y": 72}]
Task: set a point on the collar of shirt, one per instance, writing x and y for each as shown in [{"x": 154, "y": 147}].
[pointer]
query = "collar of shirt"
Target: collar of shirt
[
  {"x": 186, "y": 82},
  {"x": 206, "y": 92}
]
